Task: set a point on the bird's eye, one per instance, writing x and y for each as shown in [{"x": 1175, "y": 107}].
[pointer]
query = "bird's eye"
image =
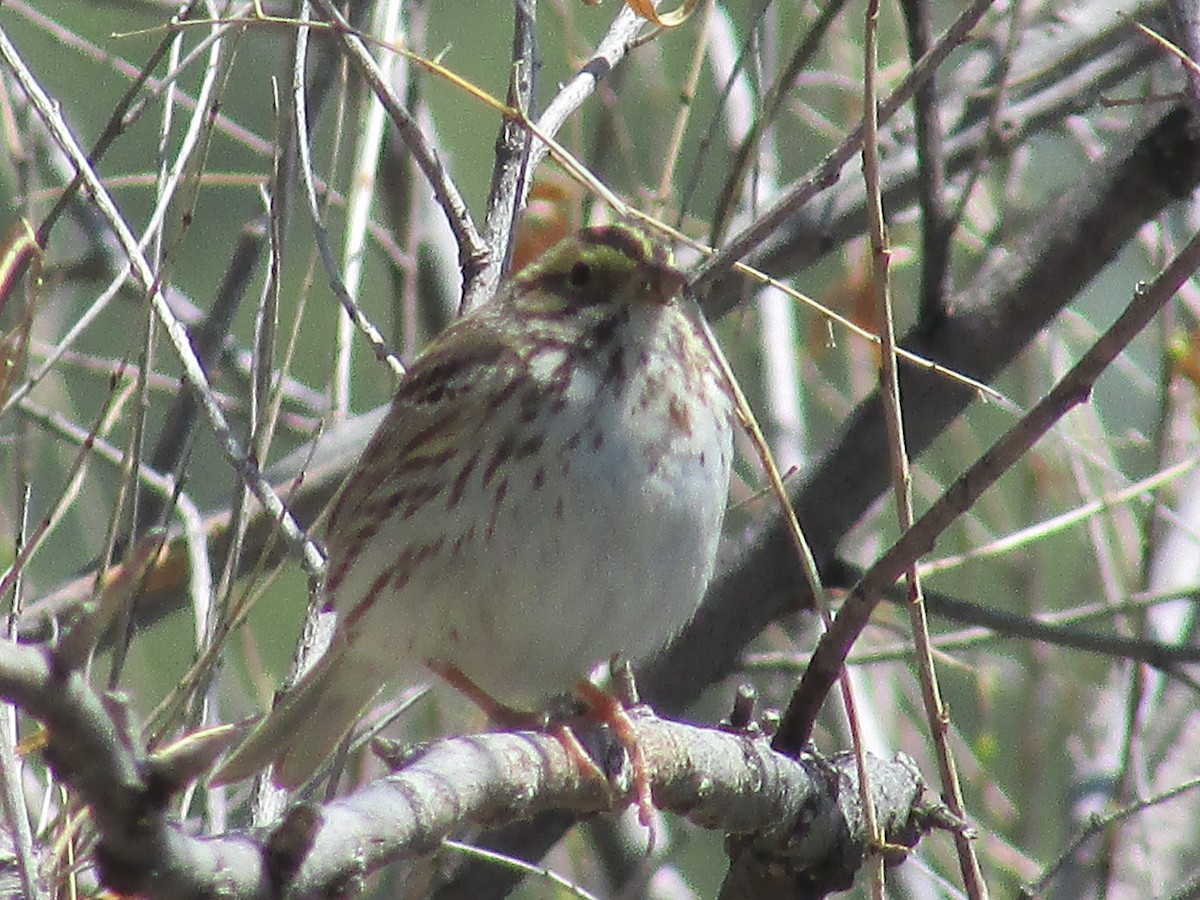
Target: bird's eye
[{"x": 581, "y": 274}]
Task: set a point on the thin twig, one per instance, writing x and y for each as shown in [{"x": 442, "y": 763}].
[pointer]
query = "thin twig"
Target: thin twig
[
  {"x": 889, "y": 390},
  {"x": 379, "y": 345},
  {"x": 370, "y": 137},
  {"x": 772, "y": 103},
  {"x": 472, "y": 249},
  {"x": 931, "y": 167},
  {"x": 828, "y": 171},
  {"x": 193, "y": 371},
  {"x": 12, "y": 789},
  {"x": 512, "y": 171},
  {"x": 1074, "y": 388}
]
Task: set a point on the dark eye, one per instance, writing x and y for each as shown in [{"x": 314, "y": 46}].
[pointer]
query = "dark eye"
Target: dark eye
[{"x": 581, "y": 274}]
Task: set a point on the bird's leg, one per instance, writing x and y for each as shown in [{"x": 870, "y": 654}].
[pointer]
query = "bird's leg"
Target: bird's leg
[
  {"x": 499, "y": 713},
  {"x": 607, "y": 709},
  {"x": 601, "y": 706}
]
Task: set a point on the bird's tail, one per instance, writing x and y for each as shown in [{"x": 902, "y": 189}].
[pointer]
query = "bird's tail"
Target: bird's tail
[{"x": 308, "y": 722}]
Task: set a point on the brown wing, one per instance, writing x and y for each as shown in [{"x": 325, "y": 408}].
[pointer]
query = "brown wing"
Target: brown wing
[{"x": 400, "y": 469}]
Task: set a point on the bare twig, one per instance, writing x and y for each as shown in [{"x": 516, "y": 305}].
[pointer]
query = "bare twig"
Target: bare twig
[
  {"x": 1073, "y": 389},
  {"x": 193, "y": 371},
  {"x": 935, "y": 261},
  {"x": 512, "y": 171},
  {"x": 828, "y": 171},
  {"x": 473, "y": 251}
]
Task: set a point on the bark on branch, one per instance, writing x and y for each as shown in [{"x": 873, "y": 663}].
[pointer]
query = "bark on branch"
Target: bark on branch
[{"x": 796, "y": 818}]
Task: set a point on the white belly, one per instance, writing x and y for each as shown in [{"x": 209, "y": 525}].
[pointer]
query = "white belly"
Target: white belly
[{"x": 557, "y": 560}]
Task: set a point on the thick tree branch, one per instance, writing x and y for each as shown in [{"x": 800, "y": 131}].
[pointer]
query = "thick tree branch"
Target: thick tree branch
[{"x": 805, "y": 809}]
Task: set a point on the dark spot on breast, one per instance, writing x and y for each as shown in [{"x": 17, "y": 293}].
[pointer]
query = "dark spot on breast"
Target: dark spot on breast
[
  {"x": 539, "y": 478},
  {"x": 616, "y": 367},
  {"x": 603, "y": 333},
  {"x": 597, "y": 440},
  {"x": 680, "y": 417}
]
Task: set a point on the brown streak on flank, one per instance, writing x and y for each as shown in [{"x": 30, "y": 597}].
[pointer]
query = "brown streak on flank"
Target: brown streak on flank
[
  {"x": 461, "y": 541},
  {"x": 558, "y": 508},
  {"x": 501, "y": 493},
  {"x": 539, "y": 478},
  {"x": 442, "y": 426},
  {"x": 420, "y": 495},
  {"x": 502, "y": 396},
  {"x": 433, "y": 461},
  {"x": 387, "y": 504},
  {"x": 368, "y": 600},
  {"x": 531, "y": 446},
  {"x": 356, "y": 490},
  {"x": 338, "y": 573},
  {"x": 431, "y": 550},
  {"x": 361, "y": 535},
  {"x": 401, "y": 580},
  {"x": 508, "y": 444},
  {"x": 460, "y": 483},
  {"x": 531, "y": 407}
]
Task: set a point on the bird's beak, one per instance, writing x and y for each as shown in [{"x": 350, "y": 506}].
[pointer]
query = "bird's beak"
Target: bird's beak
[{"x": 664, "y": 283}]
